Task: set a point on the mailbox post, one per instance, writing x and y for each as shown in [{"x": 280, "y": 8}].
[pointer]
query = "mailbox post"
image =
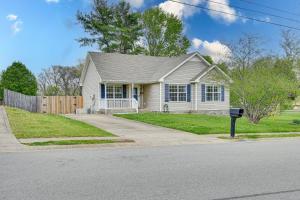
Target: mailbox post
[{"x": 234, "y": 114}]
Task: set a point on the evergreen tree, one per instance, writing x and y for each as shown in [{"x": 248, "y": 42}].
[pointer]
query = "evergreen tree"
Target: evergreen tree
[
  {"x": 19, "y": 79},
  {"x": 113, "y": 27}
]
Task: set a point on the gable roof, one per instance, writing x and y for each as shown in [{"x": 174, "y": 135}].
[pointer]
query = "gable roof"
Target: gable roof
[
  {"x": 116, "y": 67},
  {"x": 206, "y": 71}
]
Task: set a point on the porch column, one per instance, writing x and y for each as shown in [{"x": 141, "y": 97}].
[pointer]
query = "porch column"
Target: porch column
[
  {"x": 196, "y": 96},
  {"x": 106, "y": 105},
  {"x": 160, "y": 95},
  {"x": 132, "y": 93}
]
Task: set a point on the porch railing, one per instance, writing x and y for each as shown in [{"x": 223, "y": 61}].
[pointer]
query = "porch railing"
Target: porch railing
[{"x": 119, "y": 103}]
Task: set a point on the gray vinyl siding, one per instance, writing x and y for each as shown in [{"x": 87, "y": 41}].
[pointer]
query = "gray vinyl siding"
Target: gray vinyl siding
[
  {"x": 218, "y": 105},
  {"x": 91, "y": 88},
  {"x": 186, "y": 72},
  {"x": 183, "y": 75},
  {"x": 151, "y": 97}
]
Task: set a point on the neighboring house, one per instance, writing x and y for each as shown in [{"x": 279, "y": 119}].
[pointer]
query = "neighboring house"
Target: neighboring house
[{"x": 113, "y": 82}]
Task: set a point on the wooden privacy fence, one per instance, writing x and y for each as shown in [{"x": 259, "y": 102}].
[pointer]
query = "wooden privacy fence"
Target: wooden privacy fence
[
  {"x": 61, "y": 104},
  {"x": 45, "y": 104},
  {"x": 18, "y": 100}
]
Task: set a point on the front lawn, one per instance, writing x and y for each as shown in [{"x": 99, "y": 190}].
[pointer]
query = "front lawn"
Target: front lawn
[
  {"x": 36, "y": 125},
  {"x": 209, "y": 124}
]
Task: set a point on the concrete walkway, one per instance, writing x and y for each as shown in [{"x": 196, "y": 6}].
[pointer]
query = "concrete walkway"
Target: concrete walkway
[
  {"x": 8, "y": 141},
  {"x": 145, "y": 134}
]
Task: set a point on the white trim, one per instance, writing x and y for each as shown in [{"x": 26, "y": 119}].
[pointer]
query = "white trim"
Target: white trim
[
  {"x": 114, "y": 90},
  {"x": 160, "y": 95},
  {"x": 186, "y": 93},
  {"x": 132, "y": 93},
  {"x": 84, "y": 70},
  {"x": 196, "y": 96},
  {"x": 207, "y": 71},
  {"x": 106, "y": 103},
  {"x": 212, "y": 93},
  {"x": 182, "y": 63},
  {"x": 88, "y": 60}
]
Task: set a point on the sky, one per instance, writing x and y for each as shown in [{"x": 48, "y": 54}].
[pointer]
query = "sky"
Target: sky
[{"x": 42, "y": 33}]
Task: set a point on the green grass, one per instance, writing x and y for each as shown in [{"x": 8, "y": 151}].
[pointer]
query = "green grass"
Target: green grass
[
  {"x": 70, "y": 142},
  {"x": 208, "y": 124},
  {"x": 35, "y": 125}
]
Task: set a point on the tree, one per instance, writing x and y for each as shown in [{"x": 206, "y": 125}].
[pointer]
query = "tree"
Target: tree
[
  {"x": 114, "y": 28},
  {"x": 19, "y": 79},
  {"x": 263, "y": 87},
  {"x": 245, "y": 51},
  {"x": 163, "y": 34},
  {"x": 208, "y": 59},
  {"x": 290, "y": 43},
  {"x": 60, "y": 81}
]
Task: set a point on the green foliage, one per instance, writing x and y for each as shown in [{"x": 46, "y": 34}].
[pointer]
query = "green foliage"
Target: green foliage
[
  {"x": 52, "y": 90},
  {"x": 163, "y": 33},
  {"x": 261, "y": 88},
  {"x": 19, "y": 79},
  {"x": 296, "y": 122},
  {"x": 208, "y": 59},
  {"x": 288, "y": 104},
  {"x": 223, "y": 67},
  {"x": 113, "y": 27}
]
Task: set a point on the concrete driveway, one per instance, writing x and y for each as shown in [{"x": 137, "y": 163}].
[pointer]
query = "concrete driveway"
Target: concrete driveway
[{"x": 144, "y": 134}]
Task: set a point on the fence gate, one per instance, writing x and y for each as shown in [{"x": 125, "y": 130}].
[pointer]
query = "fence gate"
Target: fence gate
[{"x": 61, "y": 104}]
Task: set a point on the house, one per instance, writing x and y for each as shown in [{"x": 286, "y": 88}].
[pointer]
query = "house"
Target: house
[{"x": 113, "y": 82}]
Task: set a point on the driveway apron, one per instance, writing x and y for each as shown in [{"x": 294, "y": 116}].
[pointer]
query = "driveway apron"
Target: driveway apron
[{"x": 144, "y": 134}]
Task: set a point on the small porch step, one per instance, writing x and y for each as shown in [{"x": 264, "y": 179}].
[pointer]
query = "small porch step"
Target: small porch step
[{"x": 116, "y": 111}]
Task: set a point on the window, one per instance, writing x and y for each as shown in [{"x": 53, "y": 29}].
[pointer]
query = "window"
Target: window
[
  {"x": 114, "y": 91},
  {"x": 213, "y": 93},
  {"x": 178, "y": 93}
]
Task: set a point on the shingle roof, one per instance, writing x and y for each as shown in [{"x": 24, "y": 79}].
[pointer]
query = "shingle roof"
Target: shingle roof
[{"x": 134, "y": 68}]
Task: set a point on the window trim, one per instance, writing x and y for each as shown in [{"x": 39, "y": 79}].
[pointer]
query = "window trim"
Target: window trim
[
  {"x": 177, "y": 93},
  {"x": 213, "y": 93},
  {"x": 114, "y": 91}
]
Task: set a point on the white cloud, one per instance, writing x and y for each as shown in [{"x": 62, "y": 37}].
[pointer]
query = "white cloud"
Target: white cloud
[
  {"x": 12, "y": 17},
  {"x": 52, "y": 1},
  {"x": 196, "y": 43},
  {"x": 16, "y": 26},
  {"x": 136, "y": 3},
  {"x": 180, "y": 10},
  {"x": 229, "y": 18},
  {"x": 183, "y": 11},
  {"x": 215, "y": 49}
]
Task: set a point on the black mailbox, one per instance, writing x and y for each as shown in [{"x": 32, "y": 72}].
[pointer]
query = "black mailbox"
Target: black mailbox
[{"x": 234, "y": 114}]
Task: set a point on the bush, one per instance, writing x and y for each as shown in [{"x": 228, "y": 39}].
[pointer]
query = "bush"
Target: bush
[{"x": 261, "y": 88}]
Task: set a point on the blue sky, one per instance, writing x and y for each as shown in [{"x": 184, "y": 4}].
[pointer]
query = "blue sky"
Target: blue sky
[{"x": 41, "y": 33}]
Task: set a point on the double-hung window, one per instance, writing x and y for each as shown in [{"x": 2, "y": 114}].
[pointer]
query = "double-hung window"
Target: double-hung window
[
  {"x": 178, "y": 93},
  {"x": 213, "y": 93},
  {"x": 114, "y": 91}
]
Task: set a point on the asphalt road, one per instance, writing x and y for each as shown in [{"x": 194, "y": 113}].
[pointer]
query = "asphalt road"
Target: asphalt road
[{"x": 241, "y": 170}]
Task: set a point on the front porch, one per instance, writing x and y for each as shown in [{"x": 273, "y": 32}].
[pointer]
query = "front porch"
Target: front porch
[{"x": 120, "y": 97}]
